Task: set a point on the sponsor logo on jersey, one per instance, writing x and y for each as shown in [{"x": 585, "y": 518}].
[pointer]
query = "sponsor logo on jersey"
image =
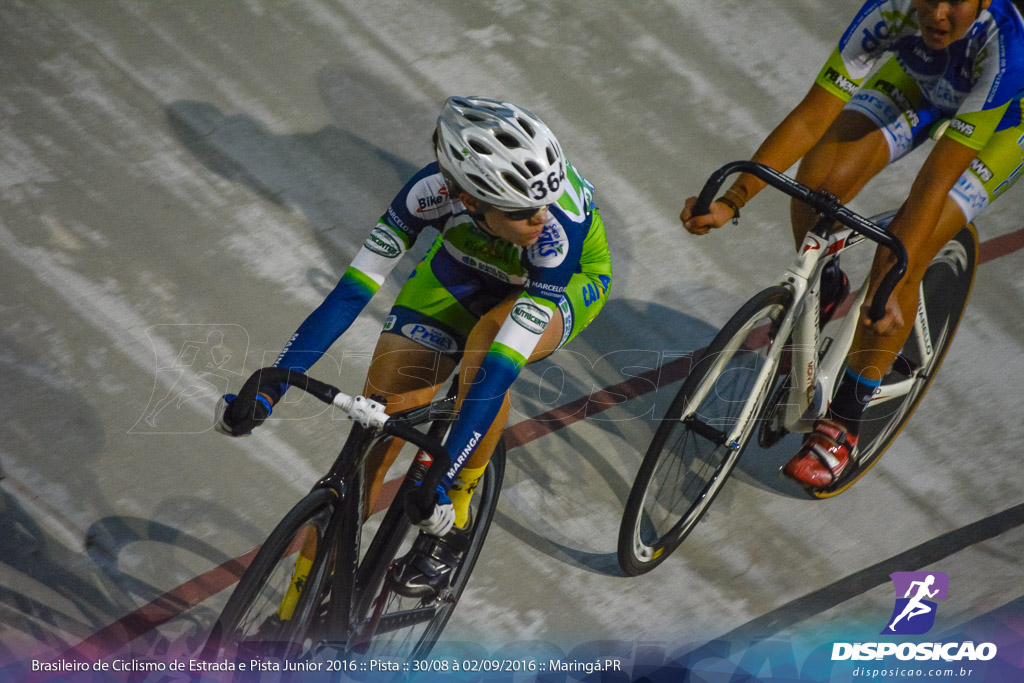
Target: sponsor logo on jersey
[
  {"x": 551, "y": 247},
  {"x": 382, "y": 242},
  {"x": 592, "y": 292},
  {"x": 567, "y": 321},
  {"x": 981, "y": 170},
  {"x": 430, "y": 336},
  {"x": 555, "y": 290},
  {"x": 901, "y": 100},
  {"x": 395, "y": 221},
  {"x": 484, "y": 267},
  {"x": 872, "y": 40},
  {"x": 389, "y": 324},
  {"x": 840, "y": 81},
  {"x": 923, "y": 54},
  {"x": 428, "y": 197},
  {"x": 962, "y": 127},
  {"x": 530, "y": 316},
  {"x": 433, "y": 201}
]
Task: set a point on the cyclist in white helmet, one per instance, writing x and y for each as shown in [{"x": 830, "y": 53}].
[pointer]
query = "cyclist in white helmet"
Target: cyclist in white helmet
[{"x": 521, "y": 265}]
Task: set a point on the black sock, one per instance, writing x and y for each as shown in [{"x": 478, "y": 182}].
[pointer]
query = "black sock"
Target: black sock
[{"x": 852, "y": 399}]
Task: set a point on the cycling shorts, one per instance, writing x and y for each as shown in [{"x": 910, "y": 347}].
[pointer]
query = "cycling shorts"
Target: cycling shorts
[
  {"x": 892, "y": 99},
  {"x": 441, "y": 316}
]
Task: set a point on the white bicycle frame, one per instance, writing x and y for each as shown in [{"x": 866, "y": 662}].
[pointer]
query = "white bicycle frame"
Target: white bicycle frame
[{"x": 813, "y": 379}]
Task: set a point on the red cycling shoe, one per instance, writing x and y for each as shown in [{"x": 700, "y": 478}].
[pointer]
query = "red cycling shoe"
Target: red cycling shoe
[{"x": 824, "y": 455}]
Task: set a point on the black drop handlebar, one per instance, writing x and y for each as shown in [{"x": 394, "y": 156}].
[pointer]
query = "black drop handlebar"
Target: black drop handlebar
[
  {"x": 825, "y": 205},
  {"x": 423, "y": 502}
]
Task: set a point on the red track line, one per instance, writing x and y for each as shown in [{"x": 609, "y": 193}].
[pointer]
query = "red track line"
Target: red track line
[
  {"x": 160, "y": 610},
  {"x": 199, "y": 589},
  {"x": 1001, "y": 246}
]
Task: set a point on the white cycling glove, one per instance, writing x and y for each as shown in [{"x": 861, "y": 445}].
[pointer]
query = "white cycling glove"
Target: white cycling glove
[{"x": 442, "y": 518}]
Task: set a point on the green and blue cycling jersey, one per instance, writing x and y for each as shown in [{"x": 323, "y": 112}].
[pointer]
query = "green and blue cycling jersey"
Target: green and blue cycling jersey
[
  {"x": 977, "y": 83},
  {"x": 465, "y": 273}
]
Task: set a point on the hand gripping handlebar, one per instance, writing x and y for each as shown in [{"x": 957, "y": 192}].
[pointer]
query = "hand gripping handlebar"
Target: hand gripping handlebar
[
  {"x": 368, "y": 413},
  {"x": 825, "y": 205}
]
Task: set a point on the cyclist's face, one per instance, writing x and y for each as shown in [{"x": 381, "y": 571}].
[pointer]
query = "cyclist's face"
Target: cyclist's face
[
  {"x": 520, "y": 231},
  {"x": 944, "y": 22}
]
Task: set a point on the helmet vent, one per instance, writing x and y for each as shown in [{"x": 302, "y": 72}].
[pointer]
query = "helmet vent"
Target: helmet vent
[
  {"x": 481, "y": 183},
  {"x": 552, "y": 157},
  {"x": 508, "y": 140},
  {"x": 522, "y": 171},
  {"x": 479, "y": 147},
  {"x": 515, "y": 182},
  {"x": 533, "y": 167},
  {"x": 526, "y": 126},
  {"x": 455, "y": 152}
]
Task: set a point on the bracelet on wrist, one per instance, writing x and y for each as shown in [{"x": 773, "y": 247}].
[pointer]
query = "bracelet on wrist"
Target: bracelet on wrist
[{"x": 732, "y": 205}]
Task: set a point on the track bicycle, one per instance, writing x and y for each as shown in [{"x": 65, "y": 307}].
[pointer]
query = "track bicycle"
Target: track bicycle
[
  {"x": 313, "y": 585},
  {"x": 770, "y": 371}
]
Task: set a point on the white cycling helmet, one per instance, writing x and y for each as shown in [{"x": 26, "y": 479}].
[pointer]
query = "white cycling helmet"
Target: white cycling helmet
[{"x": 499, "y": 153}]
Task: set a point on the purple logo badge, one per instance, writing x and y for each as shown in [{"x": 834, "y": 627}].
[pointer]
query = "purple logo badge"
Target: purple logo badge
[{"x": 916, "y": 593}]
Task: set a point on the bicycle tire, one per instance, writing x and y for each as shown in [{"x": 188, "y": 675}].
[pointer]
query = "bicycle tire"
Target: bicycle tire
[
  {"x": 263, "y": 585},
  {"x": 409, "y": 627},
  {"x": 952, "y": 273},
  {"x": 684, "y": 469}
]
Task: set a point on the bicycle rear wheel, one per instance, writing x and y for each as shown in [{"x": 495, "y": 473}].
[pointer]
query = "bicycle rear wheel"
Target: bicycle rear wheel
[
  {"x": 265, "y": 615},
  {"x": 945, "y": 290},
  {"x": 393, "y": 626},
  {"x": 702, "y": 435}
]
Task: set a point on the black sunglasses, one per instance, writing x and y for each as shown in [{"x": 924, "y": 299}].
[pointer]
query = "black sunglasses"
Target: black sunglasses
[{"x": 521, "y": 214}]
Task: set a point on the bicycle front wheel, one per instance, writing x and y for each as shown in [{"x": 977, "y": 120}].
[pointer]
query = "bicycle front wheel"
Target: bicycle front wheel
[
  {"x": 703, "y": 433},
  {"x": 405, "y": 628},
  {"x": 262, "y": 616},
  {"x": 945, "y": 289}
]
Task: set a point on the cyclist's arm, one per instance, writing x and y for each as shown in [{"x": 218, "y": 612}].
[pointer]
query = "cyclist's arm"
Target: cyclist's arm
[
  {"x": 794, "y": 137},
  {"x": 511, "y": 349},
  {"x": 421, "y": 203},
  {"x": 850, "y": 62},
  {"x": 342, "y": 306},
  {"x": 918, "y": 218},
  {"x": 783, "y": 147}
]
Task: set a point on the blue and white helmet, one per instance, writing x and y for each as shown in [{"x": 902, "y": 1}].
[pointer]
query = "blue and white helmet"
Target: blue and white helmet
[{"x": 499, "y": 153}]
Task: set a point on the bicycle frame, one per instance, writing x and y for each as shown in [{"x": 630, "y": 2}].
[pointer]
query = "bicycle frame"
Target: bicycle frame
[
  {"x": 818, "y": 367},
  {"x": 340, "y": 574},
  {"x": 348, "y": 607},
  {"x": 812, "y": 379}
]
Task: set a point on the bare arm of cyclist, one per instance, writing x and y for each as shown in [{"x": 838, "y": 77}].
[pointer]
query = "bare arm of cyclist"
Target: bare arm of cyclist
[
  {"x": 917, "y": 221},
  {"x": 783, "y": 147}
]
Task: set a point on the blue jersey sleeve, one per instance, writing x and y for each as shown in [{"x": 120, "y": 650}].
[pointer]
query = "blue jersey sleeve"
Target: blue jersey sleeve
[{"x": 412, "y": 209}]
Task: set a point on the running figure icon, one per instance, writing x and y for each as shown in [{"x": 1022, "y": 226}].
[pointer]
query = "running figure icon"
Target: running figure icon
[
  {"x": 919, "y": 590},
  {"x": 915, "y": 607}
]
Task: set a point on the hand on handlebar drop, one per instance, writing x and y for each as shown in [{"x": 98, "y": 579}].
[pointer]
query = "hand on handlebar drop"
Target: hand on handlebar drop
[
  {"x": 235, "y": 420},
  {"x": 890, "y": 323},
  {"x": 702, "y": 225},
  {"x": 442, "y": 517}
]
